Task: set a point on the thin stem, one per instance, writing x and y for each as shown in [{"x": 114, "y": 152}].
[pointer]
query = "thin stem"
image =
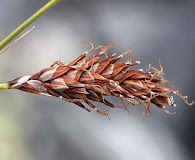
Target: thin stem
[
  {"x": 4, "y": 86},
  {"x": 16, "y": 40},
  {"x": 29, "y": 21}
]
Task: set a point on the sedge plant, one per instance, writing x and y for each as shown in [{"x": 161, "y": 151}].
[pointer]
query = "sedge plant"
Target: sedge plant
[{"x": 91, "y": 79}]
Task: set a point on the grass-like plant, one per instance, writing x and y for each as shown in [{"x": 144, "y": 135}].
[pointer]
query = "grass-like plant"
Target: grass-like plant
[{"x": 88, "y": 79}]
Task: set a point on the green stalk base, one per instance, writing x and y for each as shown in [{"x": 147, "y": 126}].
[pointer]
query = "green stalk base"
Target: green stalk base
[{"x": 4, "y": 86}]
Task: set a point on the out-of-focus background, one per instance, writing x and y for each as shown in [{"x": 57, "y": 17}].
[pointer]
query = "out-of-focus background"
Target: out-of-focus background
[{"x": 46, "y": 128}]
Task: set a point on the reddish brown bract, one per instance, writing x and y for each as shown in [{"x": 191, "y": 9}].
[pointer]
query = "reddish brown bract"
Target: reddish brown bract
[{"x": 92, "y": 79}]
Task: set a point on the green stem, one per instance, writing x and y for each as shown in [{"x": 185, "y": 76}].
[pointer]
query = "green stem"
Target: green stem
[
  {"x": 25, "y": 24},
  {"x": 4, "y": 86}
]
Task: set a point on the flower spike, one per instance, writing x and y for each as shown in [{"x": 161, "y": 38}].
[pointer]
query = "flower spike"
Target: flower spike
[{"x": 88, "y": 79}]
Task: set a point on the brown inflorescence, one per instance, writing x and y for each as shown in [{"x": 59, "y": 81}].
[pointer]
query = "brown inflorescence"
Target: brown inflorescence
[{"x": 88, "y": 79}]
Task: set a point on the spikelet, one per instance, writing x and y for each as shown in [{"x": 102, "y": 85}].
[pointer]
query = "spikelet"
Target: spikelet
[{"x": 88, "y": 79}]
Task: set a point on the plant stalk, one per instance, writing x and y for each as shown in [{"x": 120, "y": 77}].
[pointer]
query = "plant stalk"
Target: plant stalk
[
  {"x": 26, "y": 23},
  {"x": 4, "y": 86}
]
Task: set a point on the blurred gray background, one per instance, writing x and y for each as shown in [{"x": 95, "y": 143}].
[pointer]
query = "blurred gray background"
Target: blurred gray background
[{"x": 46, "y": 128}]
